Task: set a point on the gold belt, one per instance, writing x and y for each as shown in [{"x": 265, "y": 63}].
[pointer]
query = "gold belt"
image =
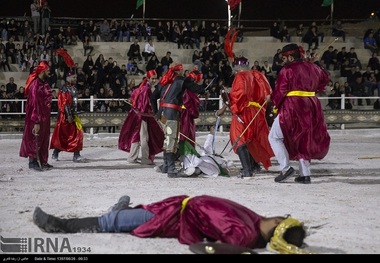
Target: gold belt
[
  {"x": 184, "y": 203},
  {"x": 300, "y": 93},
  {"x": 254, "y": 103}
]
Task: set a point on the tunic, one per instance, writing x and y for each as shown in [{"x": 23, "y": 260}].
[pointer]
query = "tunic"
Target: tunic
[{"x": 301, "y": 117}]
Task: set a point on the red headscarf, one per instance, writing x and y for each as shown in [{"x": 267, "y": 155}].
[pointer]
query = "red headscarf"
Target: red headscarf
[
  {"x": 149, "y": 74},
  {"x": 170, "y": 75},
  {"x": 43, "y": 66}
]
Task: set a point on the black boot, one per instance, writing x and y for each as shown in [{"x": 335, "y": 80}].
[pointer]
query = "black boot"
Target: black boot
[
  {"x": 52, "y": 224},
  {"x": 163, "y": 168},
  {"x": 255, "y": 167},
  {"x": 172, "y": 171},
  {"x": 170, "y": 161},
  {"x": 245, "y": 160}
]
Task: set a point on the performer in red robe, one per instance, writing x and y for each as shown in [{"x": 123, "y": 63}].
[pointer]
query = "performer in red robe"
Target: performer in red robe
[
  {"x": 68, "y": 132},
  {"x": 249, "y": 128},
  {"x": 140, "y": 128},
  {"x": 299, "y": 131},
  {"x": 189, "y": 219},
  {"x": 37, "y": 119}
]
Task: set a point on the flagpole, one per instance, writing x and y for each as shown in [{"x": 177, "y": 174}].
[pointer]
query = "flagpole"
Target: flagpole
[
  {"x": 229, "y": 14},
  {"x": 143, "y": 11},
  {"x": 239, "y": 13},
  {"x": 331, "y": 15}
]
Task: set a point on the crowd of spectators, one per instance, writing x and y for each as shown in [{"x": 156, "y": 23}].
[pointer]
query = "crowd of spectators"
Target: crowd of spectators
[{"x": 105, "y": 79}]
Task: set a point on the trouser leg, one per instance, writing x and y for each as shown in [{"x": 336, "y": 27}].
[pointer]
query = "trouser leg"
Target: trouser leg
[
  {"x": 144, "y": 138},
  {"x": 125, "y": 220},
  {"x": 276, "y": 140},
  {"x": 134, "y": 152},
  {"x": 245, "y": 160},
  {"x": 304, "y": 167}
]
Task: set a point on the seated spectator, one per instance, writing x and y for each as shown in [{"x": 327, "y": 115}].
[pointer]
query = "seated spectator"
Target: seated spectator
[
  {"x": 87, "y": 46},
  {"x": 105, "y": 31},
  {"x": 284, "y": 34},
  {"x": 374, "y": 62},
  {"x": 134, "y": 51},
  {"x": 370, "y": 43},
  {"x": 275, "y": 30},
  {"x": 149, "y": 50},
  {"x": 358, "y": 89},
  {"x": 311, "y": 37},
  {"x": 338, "y": 31},
  {"x": 353, "y": 59},
  {"x": 70, "y": 36},
  {"x": 300, "y": 30},
  {"x": 329, "y": 57}
]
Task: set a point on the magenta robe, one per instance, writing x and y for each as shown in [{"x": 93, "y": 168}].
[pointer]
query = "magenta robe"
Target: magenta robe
[
  {"x": 66, "y": 136},
  {"x": 251, "y": 86},
  {"x": 130, "y": 131},
  {"x": 301, "y": 118},
  {"x": 190, "y": 112},
  {"x": 203, "y": 216},
  {"x": 37, "y": 109}
]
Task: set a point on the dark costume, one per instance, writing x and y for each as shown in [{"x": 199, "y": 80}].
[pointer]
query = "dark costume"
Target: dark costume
[
  {"x": 170, "y": 92},
  {"x": 67, "y": 136},
  {"x": 38, "y": 107},
  {"x": 141, "y": 112},
  {"x": 248, "y": 94}
]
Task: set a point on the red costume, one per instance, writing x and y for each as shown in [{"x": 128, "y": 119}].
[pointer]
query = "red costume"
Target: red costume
[
  {"x": 193, "y": 219},
  {"x": 249, "y": 91},
  {"x": 141, "y": 111},
  {"x": 39, "y": 96},
  {"x": 67, "y": 136},
  {"x": 301, "y": 117}
]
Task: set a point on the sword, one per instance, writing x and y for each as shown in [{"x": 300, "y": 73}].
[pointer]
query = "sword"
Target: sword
[
  {"x": 37, "y": 152},
  {"x": 249, "y": 124}
]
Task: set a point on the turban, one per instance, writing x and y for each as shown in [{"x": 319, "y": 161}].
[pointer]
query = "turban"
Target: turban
[
  {"x": 43, "y": 66},
  {"x": 151, "y": 73}
]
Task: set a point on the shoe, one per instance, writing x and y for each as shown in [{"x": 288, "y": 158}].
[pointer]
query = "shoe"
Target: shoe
[
  {"x": 303, "y": 180},
  {"x": 132, "y": 161},
  {"x": 54, "y": 156},
  {"x": 181, "y": 175},
  {"x": 46, "y": 166},
  {"x": 160, "y": 169},
  {"x": 35, "y": 166},
  {"x": 285, "y": 176},
  {"x": 79, "y": 159},
  {"x": 123, "y": 203}
]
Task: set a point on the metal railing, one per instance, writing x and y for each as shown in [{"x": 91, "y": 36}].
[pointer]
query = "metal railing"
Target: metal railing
[{"x": 93, "y": 100}]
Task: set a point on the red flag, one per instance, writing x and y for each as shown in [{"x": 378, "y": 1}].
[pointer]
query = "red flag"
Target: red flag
[{"x": 233, "y": 3}]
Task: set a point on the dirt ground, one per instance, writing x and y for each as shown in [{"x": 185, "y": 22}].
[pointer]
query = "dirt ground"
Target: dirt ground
[{"x": 344, "y": 195}]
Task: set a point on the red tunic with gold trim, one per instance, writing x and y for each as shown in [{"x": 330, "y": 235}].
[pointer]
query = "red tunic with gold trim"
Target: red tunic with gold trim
[
  {"x": 66, "y": 136},
  {"x": 249, "y": 91},
  {"x": 191, "y": 220},
  {"x": 301, "y": 117}
]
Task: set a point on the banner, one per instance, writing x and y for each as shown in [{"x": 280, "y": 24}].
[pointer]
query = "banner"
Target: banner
[
  {"x": 139, "y": 3},
  {"x": 233, "y": 3},
  {"x": 327, "y": 2}
]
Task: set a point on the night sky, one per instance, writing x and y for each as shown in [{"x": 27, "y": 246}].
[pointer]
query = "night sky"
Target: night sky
[{"x": 203, "y": 9}]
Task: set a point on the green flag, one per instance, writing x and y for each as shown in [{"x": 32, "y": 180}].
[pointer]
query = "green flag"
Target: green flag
[
  {"x": 327, "y": 2},
  {"x": 139, "y": 3}
]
